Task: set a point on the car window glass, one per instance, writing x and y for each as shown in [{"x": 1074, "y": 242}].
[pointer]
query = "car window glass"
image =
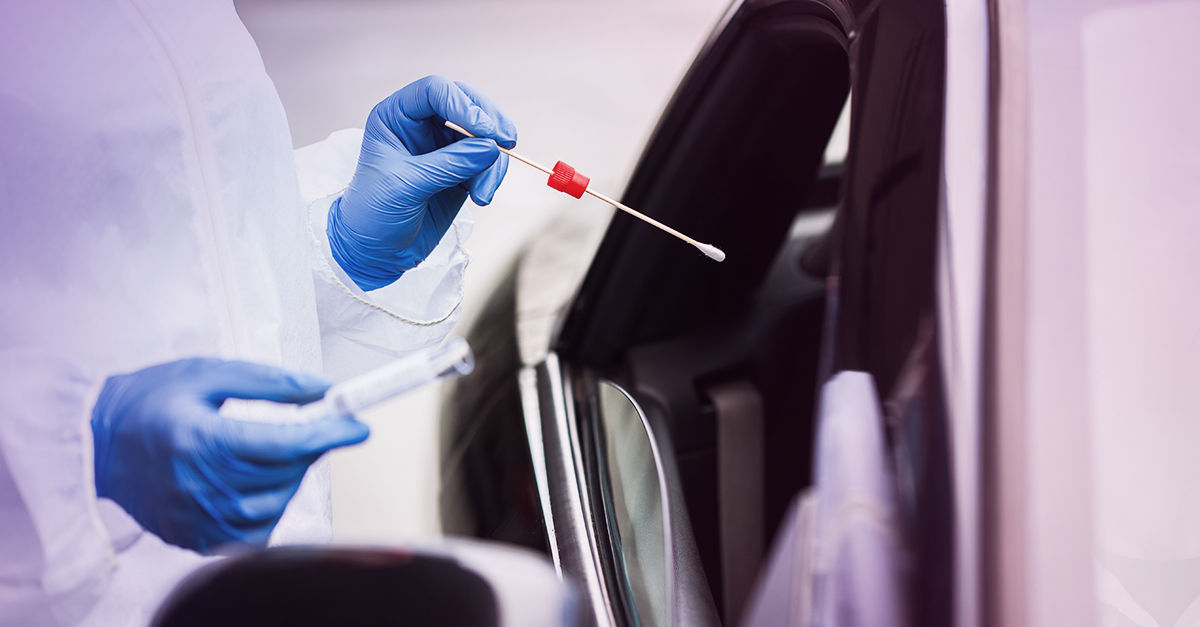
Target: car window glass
[
  {"x": 812, "y": 223},
  {"x": 839, "y": 140},
  {"x": 636, "y": 503}
]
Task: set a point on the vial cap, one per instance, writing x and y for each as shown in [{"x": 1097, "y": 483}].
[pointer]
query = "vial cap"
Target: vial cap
[{"x": 566, "y": 180}]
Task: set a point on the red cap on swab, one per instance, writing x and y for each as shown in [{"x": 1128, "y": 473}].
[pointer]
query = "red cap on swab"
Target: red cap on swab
[{"x": 565, "y": 179}]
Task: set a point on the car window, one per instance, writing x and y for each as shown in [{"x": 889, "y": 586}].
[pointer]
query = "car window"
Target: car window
[
  {"x": 635, "y": 501},
  {"x": 839, "y": 141}
]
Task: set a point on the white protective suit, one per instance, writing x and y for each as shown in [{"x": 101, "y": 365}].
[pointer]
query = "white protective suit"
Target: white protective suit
[
  {"x": 840, "y": 558},
  {"x": 150, "y": 211}
]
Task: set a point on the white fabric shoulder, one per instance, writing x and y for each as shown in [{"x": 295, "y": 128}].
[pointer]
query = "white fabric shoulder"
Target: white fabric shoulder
[
  {"x": 416, "y": 311},
  {"x": 860, "y": 555},
  {"x": 57, "y": 558}
]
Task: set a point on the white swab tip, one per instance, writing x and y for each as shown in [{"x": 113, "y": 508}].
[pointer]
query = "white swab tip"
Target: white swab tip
[{"x": 713, "y": 252}]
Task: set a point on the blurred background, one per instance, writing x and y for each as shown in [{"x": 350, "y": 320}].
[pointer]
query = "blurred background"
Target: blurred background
[{"x": 585, "y": 81}]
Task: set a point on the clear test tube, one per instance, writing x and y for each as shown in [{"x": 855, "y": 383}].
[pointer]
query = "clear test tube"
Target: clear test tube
[{"x": 403, "y": 375}]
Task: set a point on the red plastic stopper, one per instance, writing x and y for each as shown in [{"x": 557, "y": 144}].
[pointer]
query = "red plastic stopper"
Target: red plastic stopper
[{"x": 566, "y": 180}]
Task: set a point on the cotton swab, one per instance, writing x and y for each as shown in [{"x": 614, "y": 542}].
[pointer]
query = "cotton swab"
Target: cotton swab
[{"x": 565, "y": 179}]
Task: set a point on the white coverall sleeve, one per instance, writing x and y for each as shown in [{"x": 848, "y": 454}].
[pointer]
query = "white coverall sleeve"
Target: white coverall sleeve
[
  {"x": 68, "y": 558},
  {"x": 55, "y": 558},
  {"x": 361, "y": 330},
  {"x": 860, "y": 558}
]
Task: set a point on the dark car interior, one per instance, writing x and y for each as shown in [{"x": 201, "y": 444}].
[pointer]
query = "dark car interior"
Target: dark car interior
[{"x": 737, "y": 160}]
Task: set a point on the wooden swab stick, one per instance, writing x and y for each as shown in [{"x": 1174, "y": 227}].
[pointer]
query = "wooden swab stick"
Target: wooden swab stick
[{"x": 564, "y": 178}]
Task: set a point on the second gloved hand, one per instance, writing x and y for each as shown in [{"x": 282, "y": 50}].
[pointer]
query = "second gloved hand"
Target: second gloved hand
[
  {"x": 413, "y": 177},
  {"x": 195, "y": 478}
]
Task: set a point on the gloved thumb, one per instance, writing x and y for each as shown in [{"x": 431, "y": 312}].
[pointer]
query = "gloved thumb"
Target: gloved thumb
[
  {"x": 454, "y": 164},
  {"x": 242, "y": 379},
  {"x": 282, "y": 443}
]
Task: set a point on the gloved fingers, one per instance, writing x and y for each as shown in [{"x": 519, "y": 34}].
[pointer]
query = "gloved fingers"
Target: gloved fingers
[
  {"x": 258, "y": 535},
  {"x": 236, "y": 474},
  {"x": 282, "y": 443},
  {"x": 438, "y": 95},
  {"x": 254, "y": 514},
  {"x": 447, "y": 167},
  {"x": 240, "y": 495},
  {"x": 506, "y": 129},
  {"x": 206, "y": 519},
  {"x": 483, "y": 186},
  {"x": 241, "y": 379},
  {"x": 266, "y": 506},
  {"x": 231, "y": 530}
]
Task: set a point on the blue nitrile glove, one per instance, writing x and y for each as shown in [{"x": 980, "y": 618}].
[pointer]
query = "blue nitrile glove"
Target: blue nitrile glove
[
  {"x": 197, "y": 479},
  {"x": 413, "y": 177}
]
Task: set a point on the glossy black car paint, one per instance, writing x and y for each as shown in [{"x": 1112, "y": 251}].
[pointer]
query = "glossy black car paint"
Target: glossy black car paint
[{"x": 321, "y": 586}]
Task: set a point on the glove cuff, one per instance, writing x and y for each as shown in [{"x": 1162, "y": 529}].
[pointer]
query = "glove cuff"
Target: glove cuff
[{"x": 367, "y": 271}]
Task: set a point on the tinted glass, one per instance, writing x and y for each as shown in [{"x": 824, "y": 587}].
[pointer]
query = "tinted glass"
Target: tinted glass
[{"x": 839, "y": 141}]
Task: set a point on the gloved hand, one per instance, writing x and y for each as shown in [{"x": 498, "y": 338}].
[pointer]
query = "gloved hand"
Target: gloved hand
[
  {"x": 413, "y": 177},
  {"x": 197, "y": 479}
]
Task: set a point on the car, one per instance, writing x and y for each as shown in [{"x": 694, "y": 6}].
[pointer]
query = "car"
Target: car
[
  {"x": 663, "y": 339},
  {"x": 651, "y": 420}
]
